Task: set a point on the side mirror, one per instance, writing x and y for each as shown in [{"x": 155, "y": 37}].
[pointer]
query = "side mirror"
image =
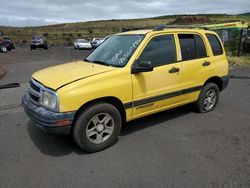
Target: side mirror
[{"x": 141, "y": 66}]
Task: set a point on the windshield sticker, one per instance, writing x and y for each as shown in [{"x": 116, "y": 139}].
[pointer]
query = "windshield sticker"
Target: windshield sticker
[
  {"x": 129, "y": 51},
  {"x": 117, "y": 54}
]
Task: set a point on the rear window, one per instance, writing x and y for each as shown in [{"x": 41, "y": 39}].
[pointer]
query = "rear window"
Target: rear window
[
  {"x": 215, "y": 44},
  {"x": 192, "y": 46}
]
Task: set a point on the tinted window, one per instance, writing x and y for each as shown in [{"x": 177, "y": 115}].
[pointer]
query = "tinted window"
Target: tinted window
[
  {"x": 215, "y": 44},
  {"x": 192, "y": 46},
  {"x": 160, "y": 51},
  {"x": 200, "y": 47}
]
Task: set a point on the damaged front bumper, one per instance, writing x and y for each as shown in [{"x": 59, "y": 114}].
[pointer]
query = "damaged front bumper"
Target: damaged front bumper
[{"x": 48, "y": 121}]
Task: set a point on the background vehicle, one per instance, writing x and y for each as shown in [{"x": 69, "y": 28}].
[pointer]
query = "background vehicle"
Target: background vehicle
[
  {"x": 9, "y": 43},
  {"x": 3, "y": 47},
  {"x": 38, "y": 42},
  {"x": 96, "y": 42},
  {"x": 82, "y": 44}
]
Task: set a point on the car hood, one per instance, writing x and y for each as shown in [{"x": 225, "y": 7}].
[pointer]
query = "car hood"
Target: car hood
[{"x": 61, "y": 75}]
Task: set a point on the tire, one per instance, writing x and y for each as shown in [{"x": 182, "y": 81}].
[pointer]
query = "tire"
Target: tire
[
  {"x": 45, "y": 47},
  {"x": 91, "y": 133},
  {"x": 208, "y": 98},
  {"x": 3, "y": 49},
  {"x": 31, "y": 47}
]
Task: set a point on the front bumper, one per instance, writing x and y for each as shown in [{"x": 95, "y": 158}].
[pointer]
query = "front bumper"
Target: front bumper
[
  {"x": 85, "y": 46},
  {"x": 46, "y": 119}
]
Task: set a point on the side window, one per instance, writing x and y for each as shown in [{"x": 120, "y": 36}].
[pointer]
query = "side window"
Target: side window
[
  {"x": 160, "y": 50},
  {"x": 215, "y": 44},
  {"x": 192, "y": 46},
  {"x": 200, "y": 47}
]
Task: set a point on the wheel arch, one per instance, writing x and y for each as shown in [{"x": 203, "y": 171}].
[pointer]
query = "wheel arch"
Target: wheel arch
[
  {"x": 110, "y": 100},
  {"x": 216, "y": 80}
]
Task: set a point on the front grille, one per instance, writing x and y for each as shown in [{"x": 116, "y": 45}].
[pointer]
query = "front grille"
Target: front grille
[
  {"x": 33, "y": 86},
  {"x": 34, "y": 98},
  {"x": 34, "y": 91}
]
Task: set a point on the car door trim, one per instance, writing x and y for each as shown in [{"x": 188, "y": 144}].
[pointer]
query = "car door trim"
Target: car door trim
[{"x": 161, "y": 97}]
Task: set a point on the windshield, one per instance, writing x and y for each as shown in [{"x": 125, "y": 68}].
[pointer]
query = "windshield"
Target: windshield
[
  {"x": 82, "y": 40},
  {"x": 37, "y": 38},
  {"x": 116, "y": 50}
]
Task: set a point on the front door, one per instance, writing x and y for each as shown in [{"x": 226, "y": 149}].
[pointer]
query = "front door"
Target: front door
[{"x": 161, "y": 88}]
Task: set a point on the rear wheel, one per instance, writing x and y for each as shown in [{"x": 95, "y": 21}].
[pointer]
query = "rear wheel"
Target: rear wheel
[
  {"x": 97, "y": 127},
  {"x": 208, "y": 98}
]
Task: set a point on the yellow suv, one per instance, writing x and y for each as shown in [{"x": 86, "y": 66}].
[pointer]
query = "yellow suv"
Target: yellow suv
[{"x": 130, "y": 75}]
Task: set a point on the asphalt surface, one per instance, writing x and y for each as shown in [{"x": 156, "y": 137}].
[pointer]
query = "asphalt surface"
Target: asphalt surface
[{"x": 175, "y": 148}]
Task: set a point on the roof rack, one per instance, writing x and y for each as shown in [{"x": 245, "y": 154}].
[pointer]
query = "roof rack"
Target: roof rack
[
  {"x": 124, "y": 29},
  {"x": 162, "y": 27}
]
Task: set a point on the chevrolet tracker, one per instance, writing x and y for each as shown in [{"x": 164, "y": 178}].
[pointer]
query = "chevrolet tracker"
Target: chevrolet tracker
[{"x": 130, "y": 75}]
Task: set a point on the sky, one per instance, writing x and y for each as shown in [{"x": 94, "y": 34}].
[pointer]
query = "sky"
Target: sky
[{"x": 46, "y": 12}]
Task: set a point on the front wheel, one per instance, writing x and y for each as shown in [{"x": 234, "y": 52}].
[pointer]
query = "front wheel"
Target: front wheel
[
  {"x": 97, "y": 127},
  {"x": 208, "y": 98}
]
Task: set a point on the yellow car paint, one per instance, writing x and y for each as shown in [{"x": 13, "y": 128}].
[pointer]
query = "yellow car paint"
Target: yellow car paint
[{"x": 86, "y": 82}]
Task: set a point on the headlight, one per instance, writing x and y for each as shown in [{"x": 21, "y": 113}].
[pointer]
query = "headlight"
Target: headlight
[{"x": 49, "y": 100}]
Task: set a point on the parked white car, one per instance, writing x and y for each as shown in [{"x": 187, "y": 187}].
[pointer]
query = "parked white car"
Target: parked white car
[
  {"x": 96, "y": 42},
  {"x": 82, "y": 44}
]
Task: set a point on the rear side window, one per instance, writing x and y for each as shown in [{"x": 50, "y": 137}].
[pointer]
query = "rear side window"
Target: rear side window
[
  {"x": 160, "y": 51},
  {"x": 215, "y": 44},
  {"x": 192, "y": 46}
]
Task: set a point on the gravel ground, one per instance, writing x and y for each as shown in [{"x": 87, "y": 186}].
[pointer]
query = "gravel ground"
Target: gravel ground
[{"x": 175, "y": 148}]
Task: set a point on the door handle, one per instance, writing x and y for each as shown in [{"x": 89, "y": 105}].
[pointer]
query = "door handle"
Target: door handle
[
  {"x": 174, "y": 70},
  {"x": 206, "y": 63}
]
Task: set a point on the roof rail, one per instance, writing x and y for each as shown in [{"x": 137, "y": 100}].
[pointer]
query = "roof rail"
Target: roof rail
[
  {"x": 159, "y": 27},
  {"x": 124, "y": 29},
  {"x": 162, "y": 27}
]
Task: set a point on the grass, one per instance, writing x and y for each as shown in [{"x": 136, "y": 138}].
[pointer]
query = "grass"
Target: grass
[
  {"x": 239, "y": 61},
  {"x": 2, "y": 72},
  {"x": 65, "y": 34}
]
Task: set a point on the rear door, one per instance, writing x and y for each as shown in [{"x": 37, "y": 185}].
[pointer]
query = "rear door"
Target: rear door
[{"x": 195, "y": 64}]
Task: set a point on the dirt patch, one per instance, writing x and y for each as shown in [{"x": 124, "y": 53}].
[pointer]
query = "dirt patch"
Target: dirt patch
[
  {"x": 191, "y": 20},
  {"x": 2, "y": 72}
]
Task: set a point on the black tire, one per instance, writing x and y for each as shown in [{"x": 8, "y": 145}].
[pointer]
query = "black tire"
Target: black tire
[
  {"x": 3, "y": 49},
  {"x": 31, "y": 47},
  {"x": 202, "y": 100},
  {"x": 45, "y": 47},
  {"x": 83, "y": 121}
]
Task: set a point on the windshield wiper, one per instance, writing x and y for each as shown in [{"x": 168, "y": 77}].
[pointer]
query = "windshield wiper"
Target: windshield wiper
[
  {"x": 101, "y": 62},
  {"x": 87, "y": 60}
]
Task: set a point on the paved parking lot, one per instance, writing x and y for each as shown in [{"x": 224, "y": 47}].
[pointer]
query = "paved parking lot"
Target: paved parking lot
[{"x": 175, "y": 148}]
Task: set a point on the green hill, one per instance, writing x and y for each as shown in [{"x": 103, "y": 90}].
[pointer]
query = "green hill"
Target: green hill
[{"x": 64, "y": 34}]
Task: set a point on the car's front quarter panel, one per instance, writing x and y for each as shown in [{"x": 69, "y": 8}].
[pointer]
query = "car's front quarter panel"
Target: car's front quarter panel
[{"x": 116, "y": 83}]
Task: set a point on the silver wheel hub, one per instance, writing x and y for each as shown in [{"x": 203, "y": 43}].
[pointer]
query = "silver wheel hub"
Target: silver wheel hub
[
  {"x": 210, "y": 99},
  {"x": 99, "y": 128}
]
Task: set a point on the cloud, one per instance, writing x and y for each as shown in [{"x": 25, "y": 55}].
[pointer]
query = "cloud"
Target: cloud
[{"x": 44, "y": 12}]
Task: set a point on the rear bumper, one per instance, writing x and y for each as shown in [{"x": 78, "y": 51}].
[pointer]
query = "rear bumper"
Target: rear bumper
[
  {"x": 46, "y": 119},
  {"x": 225, "y": 81}
]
